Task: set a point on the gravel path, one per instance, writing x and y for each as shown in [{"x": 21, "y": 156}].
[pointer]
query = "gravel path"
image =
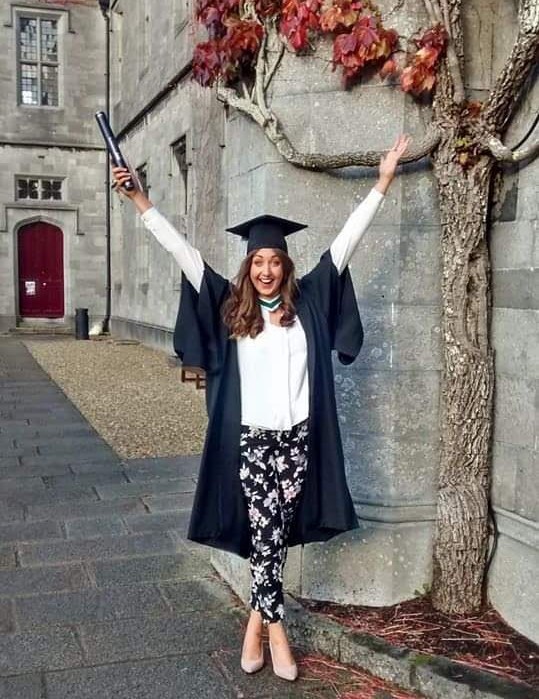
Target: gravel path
[{"x": 134, "y": 400}]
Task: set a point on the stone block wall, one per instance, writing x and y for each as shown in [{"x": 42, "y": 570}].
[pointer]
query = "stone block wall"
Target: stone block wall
[
  {"x": 515, "y": 335},
  {"x": 389, "y": 399}
]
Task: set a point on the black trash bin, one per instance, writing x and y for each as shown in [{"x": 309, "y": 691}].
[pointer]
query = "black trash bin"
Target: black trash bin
[{"x": 81, "y": 324}]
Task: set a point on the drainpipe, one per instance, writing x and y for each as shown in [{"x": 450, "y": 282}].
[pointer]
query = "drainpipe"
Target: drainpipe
[{"x": 104, "y": 5}]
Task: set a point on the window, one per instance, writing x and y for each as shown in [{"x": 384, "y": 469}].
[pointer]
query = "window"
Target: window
[
  {"x": 39, "y": 189},
  {"x": 38, "y": 61},
  {"x": 179, "y": 150},
  {"x": 142, "y": 174}
]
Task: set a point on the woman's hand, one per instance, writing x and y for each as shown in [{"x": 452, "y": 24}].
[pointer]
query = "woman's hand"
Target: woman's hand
[
  {"x": 137, "y": 196},
  {"x": 121, "y": 176},
  {"x": 389, "y": 162}
]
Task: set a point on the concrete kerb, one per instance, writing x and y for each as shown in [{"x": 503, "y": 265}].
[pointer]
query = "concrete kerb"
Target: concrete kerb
[{"x": 436, "y": 677}]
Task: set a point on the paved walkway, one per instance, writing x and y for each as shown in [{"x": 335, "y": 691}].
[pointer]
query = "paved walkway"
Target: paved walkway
[{"x": 100, "y": 593}]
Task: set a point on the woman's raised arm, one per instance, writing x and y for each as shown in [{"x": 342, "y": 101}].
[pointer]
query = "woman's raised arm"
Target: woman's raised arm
[
  {"x": 359, "y": 220},
  {"x": 188, "y": 257}
]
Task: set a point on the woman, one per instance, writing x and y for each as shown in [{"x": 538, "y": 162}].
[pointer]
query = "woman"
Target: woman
[{"x": 272, "y": 471}]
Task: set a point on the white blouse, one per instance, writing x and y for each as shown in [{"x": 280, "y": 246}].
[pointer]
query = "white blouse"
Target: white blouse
[{"x": 273, "y": 365}]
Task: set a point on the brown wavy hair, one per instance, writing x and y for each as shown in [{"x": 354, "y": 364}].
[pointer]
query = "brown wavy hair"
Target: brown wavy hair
[{"x": 241, "y": 310}]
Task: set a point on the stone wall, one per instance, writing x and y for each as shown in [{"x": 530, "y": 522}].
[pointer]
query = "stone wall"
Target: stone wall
[
  {"x": 56, "y": 142},
  {"x": 515, "y": 335},
  {"x": 388, "y": 400}
]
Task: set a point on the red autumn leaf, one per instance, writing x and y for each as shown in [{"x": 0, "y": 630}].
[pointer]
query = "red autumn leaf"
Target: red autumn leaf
[
  {"x": 389, "y": 68},
  {"x": 340, "y": 16},
  {"x": 245, "y": 36},
  {"x": 435, "y": 37},
  {"x": 417, "y": 78},
  {"x": 366, "y": 31},
  {"x": 298, "y": 19},
  {"x": 428, "y": 56}
]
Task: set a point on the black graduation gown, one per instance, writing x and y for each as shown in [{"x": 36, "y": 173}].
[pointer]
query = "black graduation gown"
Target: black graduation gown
[{"x": 328, "y": 311}]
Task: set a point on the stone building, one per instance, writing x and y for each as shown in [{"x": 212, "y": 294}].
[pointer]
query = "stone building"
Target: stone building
[{"x": 52, "y": 199}]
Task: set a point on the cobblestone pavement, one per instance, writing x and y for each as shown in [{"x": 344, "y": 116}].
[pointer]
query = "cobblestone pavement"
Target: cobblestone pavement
[{"x": 101, "y": 595}]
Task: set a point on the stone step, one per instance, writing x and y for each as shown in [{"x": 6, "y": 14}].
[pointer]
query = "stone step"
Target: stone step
[
  {"x": 19, "y": 582},
  {"x": 56, "y": 446},
  {"x": 98, "y": 508},
  {"x": 182, "y": 677},
  {"x": 60, "y": 469},
  {"x": 74, "y": 481},
  {"x": 163, "y": 521},
  {"x": 167, "y": 503},
  {"x": 27, "y": 686},
  {"x": 177, "y": 485},
  {"x": 25, "y": 432},
  {"x": 47, "y": 497},
  {"x": 54, "y": 649},
  {"x": 106, "y": 547},
  {"x": 10, "y": 512},
  {"x": 31, "y": 531},
  {"x": 95, "y": 527},
  {"x": 89, "y": 605},
  {"x": 63, "y": 412},
  {"x": 33, "y": 471},
  {"x": 74, "y": 445},
  {"x": 185, "y": 467},
  {"x": 22, "y": 486},
  {"x": 32, "y": 405},
  {"x": 122, "y": 602},
  {"x": 184, "y": 565},
  {"x": 7, "y": 557},
  {"x": 130, "y": 639},
  {"x": 89, "y": 455},
  {"x": 106, "y": 466}
]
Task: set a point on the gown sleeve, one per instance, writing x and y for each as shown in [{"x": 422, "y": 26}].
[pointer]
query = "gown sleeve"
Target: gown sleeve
[
  {"x": 199, "y": 333},
  {"x": 333, "y": 296}
]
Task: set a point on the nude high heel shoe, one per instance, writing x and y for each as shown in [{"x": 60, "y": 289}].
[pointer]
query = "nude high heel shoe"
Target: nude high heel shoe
[
  {"x": 250, "y": 666},
  {"x": 286, "y": 672}
]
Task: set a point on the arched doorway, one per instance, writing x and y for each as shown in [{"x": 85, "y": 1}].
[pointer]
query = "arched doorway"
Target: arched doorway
[{"x": 41, "y": 271}]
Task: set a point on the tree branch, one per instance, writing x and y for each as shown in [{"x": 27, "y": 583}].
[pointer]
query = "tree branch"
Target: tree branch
[
  {"x": 433, "y": 11},
  {"x": 506, "y": 92},
  {"x": 503, "y": 153},
  {"x": 440, "y": 14},
  {"x": 318, "y": 161},
  {"x": 271, "y": 72},
  {"x": 261, "y": 66}
]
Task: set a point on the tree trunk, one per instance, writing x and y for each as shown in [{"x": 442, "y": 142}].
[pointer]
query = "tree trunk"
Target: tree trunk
[{"x": 461, "y": 539}]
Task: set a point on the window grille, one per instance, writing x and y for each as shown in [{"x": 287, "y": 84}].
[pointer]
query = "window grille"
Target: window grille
[
  {"x": 39, "y": 189},
  {"x": 38, "y": 61}
]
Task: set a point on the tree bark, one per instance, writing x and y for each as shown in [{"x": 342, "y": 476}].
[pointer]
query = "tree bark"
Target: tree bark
[{"x": 461, "y": 539}]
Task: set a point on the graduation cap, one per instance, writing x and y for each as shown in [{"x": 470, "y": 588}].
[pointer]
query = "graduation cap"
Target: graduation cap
[{"x": 266, "y": 231}]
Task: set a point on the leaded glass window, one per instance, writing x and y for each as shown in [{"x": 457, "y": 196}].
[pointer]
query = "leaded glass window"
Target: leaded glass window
[
  {"x": 38, "y": 61},
  {"x": 41, "y": 188}
]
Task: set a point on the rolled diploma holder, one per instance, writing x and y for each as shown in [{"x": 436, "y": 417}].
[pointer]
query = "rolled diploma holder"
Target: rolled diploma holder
[{"x": 112, "y": 146}]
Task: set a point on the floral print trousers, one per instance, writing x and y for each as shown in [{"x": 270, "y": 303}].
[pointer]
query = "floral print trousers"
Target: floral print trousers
[{"x": 273, "y": 466}]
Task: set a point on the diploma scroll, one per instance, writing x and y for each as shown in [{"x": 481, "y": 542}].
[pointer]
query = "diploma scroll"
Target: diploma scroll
[{"x": 112, "y": 146}]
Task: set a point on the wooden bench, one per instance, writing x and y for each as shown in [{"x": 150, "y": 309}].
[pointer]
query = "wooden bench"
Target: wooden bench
[{"x": 194, "y": 373}]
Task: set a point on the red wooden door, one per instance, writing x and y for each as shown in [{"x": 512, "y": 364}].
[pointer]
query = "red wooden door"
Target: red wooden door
[{"x": 41, "y": 271}]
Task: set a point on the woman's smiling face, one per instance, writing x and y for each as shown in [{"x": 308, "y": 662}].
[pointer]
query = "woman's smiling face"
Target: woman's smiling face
[{"x": 266, "y": 272}]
